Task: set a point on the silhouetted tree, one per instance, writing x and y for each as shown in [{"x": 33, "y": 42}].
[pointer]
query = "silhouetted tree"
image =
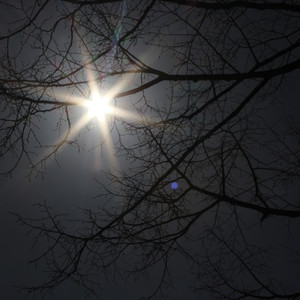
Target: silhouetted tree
[{"x": 199, "y": 82}]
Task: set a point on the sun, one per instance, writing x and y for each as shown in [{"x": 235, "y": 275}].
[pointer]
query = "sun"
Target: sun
[{"x": 98, "y": 106}]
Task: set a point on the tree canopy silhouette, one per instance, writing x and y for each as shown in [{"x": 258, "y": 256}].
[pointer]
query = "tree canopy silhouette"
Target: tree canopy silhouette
[{"x": 197, "y": 92}]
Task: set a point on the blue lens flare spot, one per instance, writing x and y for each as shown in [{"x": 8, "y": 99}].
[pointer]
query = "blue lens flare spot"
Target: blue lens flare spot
[{"x": 174, "y": 185}]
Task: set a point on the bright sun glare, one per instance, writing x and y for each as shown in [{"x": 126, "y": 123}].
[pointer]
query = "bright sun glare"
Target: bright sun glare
[{"x": 98, "y": 107}]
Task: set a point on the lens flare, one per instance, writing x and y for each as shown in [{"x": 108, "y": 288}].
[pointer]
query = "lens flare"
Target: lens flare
[{"x": 174, "y": 185}]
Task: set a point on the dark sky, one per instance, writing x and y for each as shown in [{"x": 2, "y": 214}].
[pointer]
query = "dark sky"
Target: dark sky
[
  {"x": 69, "y": 184},
  {"x": 66, "y": 189}
]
